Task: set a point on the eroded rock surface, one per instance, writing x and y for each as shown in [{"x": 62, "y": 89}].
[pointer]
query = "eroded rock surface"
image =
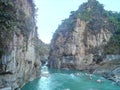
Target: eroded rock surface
[
  {"x": 79, "y": 42},
  {"x": 88, "y": 40},
  {"x": 21, "y": 63}
]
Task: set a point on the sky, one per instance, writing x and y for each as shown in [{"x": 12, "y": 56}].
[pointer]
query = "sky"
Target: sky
[{"x": 51, "y": 12}]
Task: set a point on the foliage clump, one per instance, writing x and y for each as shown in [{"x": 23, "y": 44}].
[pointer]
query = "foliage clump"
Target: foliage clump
[
  {"x": 43, "y": 48},
  {"x": 7, "y": 23},
  {"x": 113, "y": 46},
  {"x": 91, "y": 10}
]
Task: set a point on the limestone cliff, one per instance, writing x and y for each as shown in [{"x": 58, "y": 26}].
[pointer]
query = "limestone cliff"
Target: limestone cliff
[
  {"x": 80, "y": 41},
  {"x": 19, "y": 58}
]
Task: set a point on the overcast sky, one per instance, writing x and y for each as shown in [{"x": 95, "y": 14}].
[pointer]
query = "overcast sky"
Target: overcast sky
[{"x": 52, "y": 12}]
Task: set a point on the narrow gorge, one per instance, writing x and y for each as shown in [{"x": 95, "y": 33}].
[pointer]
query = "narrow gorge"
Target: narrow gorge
[{"x": 84, "y": 53}]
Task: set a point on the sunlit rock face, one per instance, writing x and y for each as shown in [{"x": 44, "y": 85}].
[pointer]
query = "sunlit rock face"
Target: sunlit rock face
[
  {"x": 77, "y": 48},
  {"x": 79, "y": 41},
  {"x": 21, "y": 62}
]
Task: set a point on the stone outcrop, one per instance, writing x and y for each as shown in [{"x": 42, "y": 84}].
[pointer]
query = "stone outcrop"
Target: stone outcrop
[
  {"x": 21, "y": 63},
  {"x": 78, "y": 42},
  {"x": 89, "y": 41},
  {"x": 110, "y": 70},
  {"x": 115, "y": 75}
]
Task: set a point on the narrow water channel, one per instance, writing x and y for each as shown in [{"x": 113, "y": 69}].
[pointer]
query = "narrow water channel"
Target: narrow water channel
[{"x": 69, "y": 80}]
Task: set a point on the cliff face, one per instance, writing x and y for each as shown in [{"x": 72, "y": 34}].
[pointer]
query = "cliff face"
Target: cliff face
[
  {"x": 77, "y": 49},
  {"x": 80, "y": 41},
  {"x": 20, "y": 61}
]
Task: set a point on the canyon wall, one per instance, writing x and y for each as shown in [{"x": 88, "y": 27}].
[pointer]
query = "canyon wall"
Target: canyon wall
[
  {"x": 21, "y": 61},
  {"x": 88, "y": 41},
  {"x": 79, "y": 41}
]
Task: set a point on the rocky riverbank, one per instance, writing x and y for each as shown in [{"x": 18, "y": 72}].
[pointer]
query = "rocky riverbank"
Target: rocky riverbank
[{"x": 109, "y": 70}]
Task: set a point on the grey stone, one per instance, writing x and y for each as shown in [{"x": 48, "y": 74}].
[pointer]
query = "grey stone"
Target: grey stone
[{"x": 18, "y": 65}]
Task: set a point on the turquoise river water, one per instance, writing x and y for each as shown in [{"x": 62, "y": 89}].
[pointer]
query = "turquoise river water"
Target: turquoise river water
[{"x": 69, "y": 80}]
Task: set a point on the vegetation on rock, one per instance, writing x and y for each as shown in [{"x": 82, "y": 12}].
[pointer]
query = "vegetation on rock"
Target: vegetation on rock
[
  {"x": 13, "y": 18},
  {"x": 7, "y": 23},
  {"x": 113, "y": 46},
  {"x": 19, "y": 57},
  {"x": 97, "y": 18},
  {"x": 91, "y": 10},
  {"x": 43, "y": 48},
  {"x": 89, "y": 31}
]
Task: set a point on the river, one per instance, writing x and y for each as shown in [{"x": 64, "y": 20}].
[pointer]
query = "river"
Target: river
[{"x": 69, "y": 80}]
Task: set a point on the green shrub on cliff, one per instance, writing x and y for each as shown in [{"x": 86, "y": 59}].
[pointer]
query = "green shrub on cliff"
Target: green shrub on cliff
[
  {"x": 43, "y": 49},
  {"x": 7, "y": 23},
  {"x": 91, "y": 10},
  {"x": 113, "y": 46}
]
